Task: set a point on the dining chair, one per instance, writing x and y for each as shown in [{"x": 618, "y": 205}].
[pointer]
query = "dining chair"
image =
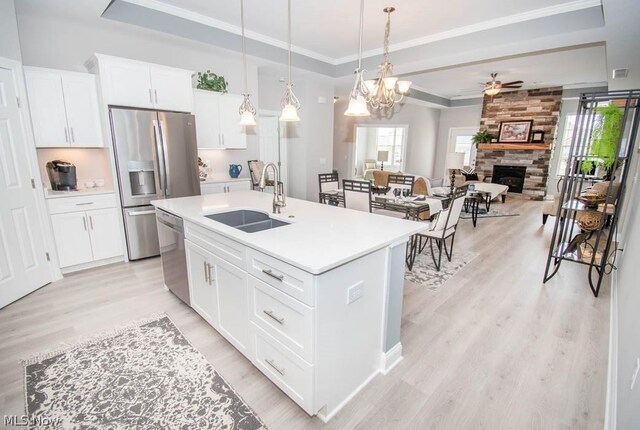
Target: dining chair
[
  {"x": 439, "y": 230},
  {"x": 357, "y": 195},
  {"x": 255, "y": 171},
  {"x": 403, "y": 182},
  {"x": 327, "y": 182}
]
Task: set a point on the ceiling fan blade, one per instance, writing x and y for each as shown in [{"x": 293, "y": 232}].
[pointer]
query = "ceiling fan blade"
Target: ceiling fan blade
[{"x": 513, "y": 83}]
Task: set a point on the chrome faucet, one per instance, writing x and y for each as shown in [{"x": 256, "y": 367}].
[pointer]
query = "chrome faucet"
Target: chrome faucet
[{"x": 278, "y": 193}]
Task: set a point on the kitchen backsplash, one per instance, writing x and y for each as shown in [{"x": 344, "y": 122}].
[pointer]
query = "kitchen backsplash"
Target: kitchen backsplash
[{"x": 91, "y": 163}]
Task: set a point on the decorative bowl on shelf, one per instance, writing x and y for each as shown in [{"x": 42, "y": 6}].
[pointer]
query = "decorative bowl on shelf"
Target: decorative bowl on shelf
[
  {"x": 589, "y": 221},
  {"x": 591, "y": 200}
]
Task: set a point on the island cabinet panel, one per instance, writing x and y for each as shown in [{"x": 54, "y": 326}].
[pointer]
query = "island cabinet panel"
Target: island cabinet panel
[
  {"x": 217, "y": 244},
  {"x": 233, "y": 303},
  {"x": 203, "y": 291}
]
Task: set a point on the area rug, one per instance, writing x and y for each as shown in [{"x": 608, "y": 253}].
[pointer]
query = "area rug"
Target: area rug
[
  {"x": 493, "y": 213},
  {"x": 143, "y": 376},
  {"x": 424, "y": 271}
]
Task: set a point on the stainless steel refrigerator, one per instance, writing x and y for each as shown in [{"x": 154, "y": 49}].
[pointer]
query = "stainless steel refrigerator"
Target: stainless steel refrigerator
[{"x": 156, "y": 158}]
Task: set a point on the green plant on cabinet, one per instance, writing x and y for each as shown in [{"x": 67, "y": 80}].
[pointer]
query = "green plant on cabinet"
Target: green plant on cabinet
[{"x": 211, "y": 82}]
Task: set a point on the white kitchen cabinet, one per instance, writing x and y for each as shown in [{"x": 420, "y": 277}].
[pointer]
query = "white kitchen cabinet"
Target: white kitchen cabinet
[
  {"x": 70, "y": 231},
  {"x": 217, "y": 120},
  {"x": 225, "y": 187},
  {"x": 145, "y": 85},
  {"x": 86, "y": 229},
  {"x": 104, "y": 232},
  {"x": 202, "y": 289},
  {"x": 64, "y": 108}
]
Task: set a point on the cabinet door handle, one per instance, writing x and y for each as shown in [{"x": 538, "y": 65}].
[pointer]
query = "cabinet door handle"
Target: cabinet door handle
[
  {"x": 271, "y": 363},
  {"x": 209, "y": 272},
  {"x": 91, "y": 221},
  {"x": 73, "y": 136},
  {"x": 273, "y": 317},
  {"x": 151, "y": 95},
  {"x": 84, "y": 204},
  {"x": 156, "y": 94},
  {"x": 269, "y": 272},
  {"x": 84, "y": 222},
  {"x": 206, "y": 272},
  {"x": 66, "y": 135}
]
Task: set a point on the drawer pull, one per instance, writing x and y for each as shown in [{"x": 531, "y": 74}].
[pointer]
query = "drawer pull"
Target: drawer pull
[
  {"x": 206, "y": 272},
  {"x": 273, "y": 317},
  {"x": 273, "y": 275},
  {"x": 280, "y": 370},
  {"x": 84, "y": 204}
]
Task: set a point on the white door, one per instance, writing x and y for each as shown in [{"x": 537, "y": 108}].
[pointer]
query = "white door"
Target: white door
[
  {"x": 128, "y": 84},
  {"x": 71, "y": 233},
  {"x": 83, "y": 117},
  {"x": 46, "y": 103},
  {"x": 234, "y": 135},
  {"x": 270, "y": 132},
  {"x": 233, "y": 302},
  {"x": 171, "y": 89},
  {"x": 460, "y": 141},
  {"x": 207, "y": 112},
  {"x": 202, "y": 288},
  {"x": 104, "y": 231},
  {"x": 23, "y": 262}
]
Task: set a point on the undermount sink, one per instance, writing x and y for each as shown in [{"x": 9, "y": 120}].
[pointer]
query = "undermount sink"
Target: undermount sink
[{"x": 247, "y": 221}]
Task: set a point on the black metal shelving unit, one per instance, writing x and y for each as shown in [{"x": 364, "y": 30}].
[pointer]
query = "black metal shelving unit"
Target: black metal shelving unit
[{"x": 601, "y": 239}]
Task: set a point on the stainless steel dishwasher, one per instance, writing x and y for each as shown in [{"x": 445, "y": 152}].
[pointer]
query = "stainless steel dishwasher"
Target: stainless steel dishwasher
[{"x": 173, "y": 255}]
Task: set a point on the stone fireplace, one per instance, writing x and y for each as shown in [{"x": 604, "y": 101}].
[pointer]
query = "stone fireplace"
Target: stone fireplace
[
  {"x": 525, "y": 166},
  {"x": 511, "y": 176}
]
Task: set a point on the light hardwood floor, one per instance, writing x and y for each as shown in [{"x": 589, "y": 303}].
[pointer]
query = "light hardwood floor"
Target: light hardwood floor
[{"x": 493, "y": 348}]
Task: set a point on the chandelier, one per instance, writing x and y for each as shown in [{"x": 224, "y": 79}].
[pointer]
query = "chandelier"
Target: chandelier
[
  {"x": 359, "y": 93},
  {"x": 289, "y": 102},
  {"x": 247, "y": 111},
  {"x": 387, "y": 90}
]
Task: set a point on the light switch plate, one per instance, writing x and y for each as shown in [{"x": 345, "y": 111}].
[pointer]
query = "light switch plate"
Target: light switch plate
[{"x": 355, "y": 292}]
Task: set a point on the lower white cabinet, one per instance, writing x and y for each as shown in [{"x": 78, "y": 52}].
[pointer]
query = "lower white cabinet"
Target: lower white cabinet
[
  {"x": 203, "y": 291},
  {"x": 85, "y": 235},
  {"x": 224, "y": 187}
]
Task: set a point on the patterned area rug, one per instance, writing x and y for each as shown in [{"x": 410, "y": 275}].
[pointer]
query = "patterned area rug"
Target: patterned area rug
[
  {"x": 424, "y": 271},
  {"x": 493, "y": 213},
  {"x": 144, "y": 376}
]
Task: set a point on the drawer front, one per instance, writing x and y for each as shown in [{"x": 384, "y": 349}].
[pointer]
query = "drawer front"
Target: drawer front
[
  {"x": 289, "y": 372},
  {"x": 227, "y": 249},
  {"x": 286, "y": 278},
  {"x": 81, "y": 203},
  {"x": 283, "y": 317}
]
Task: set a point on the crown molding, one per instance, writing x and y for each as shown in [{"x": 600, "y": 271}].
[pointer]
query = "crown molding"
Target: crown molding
[{"x": 572, "y": 6}]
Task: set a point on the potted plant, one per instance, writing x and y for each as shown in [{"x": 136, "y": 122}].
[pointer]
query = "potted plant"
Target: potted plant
[
  {"x": 483, "y": 136},
  {"x": 211, "y": 82},
  {"x": 604, "y": 139}
]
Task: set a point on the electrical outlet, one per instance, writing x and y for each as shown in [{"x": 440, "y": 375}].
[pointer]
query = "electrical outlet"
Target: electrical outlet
[
  {"x": 355, "y": 292},
  {"x": 635, "y": 373}
]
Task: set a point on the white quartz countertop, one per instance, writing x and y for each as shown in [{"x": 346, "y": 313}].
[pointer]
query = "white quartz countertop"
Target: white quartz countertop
[
  {"x": 51, "y": 194},
  {"x": 319, "y": 238}
]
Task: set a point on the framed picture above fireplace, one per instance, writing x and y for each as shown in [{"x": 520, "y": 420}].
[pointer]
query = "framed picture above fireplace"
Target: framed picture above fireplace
[{"x": 515, "y": 131}]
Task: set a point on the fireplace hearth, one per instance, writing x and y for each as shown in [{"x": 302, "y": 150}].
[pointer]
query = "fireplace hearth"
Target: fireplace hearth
[{"x": 511, "y": 176}]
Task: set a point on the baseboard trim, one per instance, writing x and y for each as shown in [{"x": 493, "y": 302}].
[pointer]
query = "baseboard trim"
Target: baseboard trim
[
  {"x": 91, "y": 264},
  {"x": 391, "y": 358},
  {"x": 612, "y": 371},
  {"x": 324, "y": 417}
]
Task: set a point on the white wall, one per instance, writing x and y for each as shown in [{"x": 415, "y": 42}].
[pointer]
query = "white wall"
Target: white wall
[
  {"x": 421, "y": 138},
  {"x": 468, "y": 116},
  {"x": 9, "y": 41}
]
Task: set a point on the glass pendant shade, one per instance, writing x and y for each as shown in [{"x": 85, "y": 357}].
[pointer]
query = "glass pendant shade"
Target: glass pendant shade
[
  {"x": 492, "y": 91},
  {"x": 357, "y": 107},
  {"x": 403, "y": 86},
  {"x": 247, "y": 111},
  {"x": 289, "y": 113},
  {"x": 360, "y": 91},
  {"x": 247, "y": 118},
  {"x": 390, "y": 83}
]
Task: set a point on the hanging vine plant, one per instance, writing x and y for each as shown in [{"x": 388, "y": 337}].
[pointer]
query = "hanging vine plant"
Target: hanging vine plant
[{"x": 604, "y": 140}]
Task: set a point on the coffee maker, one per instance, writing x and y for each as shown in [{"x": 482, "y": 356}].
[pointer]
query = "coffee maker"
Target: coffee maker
[{"x": 62, "y": 175}]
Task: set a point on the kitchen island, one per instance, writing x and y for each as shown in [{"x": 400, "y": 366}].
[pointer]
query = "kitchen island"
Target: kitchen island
[{"x": 313, "y": 300}]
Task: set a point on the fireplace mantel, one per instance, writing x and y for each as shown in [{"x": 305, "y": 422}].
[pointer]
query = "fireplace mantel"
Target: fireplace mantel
[{"x": 514, "y": 146}]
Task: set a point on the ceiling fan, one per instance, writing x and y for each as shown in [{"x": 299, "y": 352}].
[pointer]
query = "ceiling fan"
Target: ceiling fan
[{"x": 493, "y": 87}]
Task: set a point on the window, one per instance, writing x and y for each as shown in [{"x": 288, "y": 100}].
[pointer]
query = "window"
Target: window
[
  {"x": 565, "y": 144},
  {"x": 391, "y": 139},
  {"x": 463, "y": 144}
]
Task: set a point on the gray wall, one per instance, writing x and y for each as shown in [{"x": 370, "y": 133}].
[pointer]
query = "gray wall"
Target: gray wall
[
  {"x": 468, "y": 116},
  {"x": 9, "y": 41},
  {"x": 421, "y": 138}
]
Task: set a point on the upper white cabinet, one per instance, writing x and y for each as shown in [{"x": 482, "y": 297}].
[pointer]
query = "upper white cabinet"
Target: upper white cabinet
[
  {"x": 64, "y": 108},
  {"x": 217, "y": 120},
  {"x": 138, "y": 84}
]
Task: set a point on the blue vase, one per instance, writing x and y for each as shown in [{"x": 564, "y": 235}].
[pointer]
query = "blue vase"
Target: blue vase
[{"x": 234, "y": 170}]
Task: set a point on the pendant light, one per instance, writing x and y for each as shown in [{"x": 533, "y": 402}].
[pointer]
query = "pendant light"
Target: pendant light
[
  {"x": 387, "y": 90},
  {"x": 289, "y": 102},
  {"x": 359, "y": 93},
  {"x": 247, "y": 111}
]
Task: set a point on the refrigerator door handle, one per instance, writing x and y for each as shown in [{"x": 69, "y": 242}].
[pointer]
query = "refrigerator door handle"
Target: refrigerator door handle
[
  {"x": 159, "y": 160},
  {"x": 167, "y": 177}
]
